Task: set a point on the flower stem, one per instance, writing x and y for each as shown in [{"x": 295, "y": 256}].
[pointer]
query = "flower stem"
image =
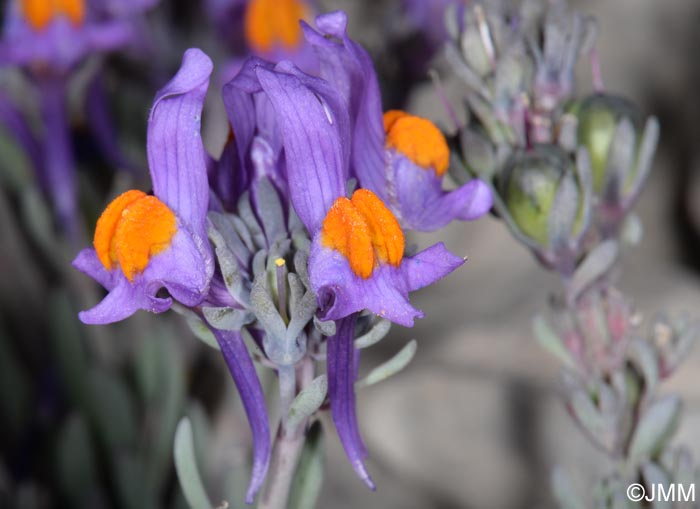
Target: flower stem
[
  {"x": 285, "y": 457},
  {"x": 288, "y": 443}
]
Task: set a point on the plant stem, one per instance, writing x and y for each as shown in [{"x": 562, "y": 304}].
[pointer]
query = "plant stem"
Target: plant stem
[
  {"x": 288, "y": 443},
  {"x": 285, "y": 457}
]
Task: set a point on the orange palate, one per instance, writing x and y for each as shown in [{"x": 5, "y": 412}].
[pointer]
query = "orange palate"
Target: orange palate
[
  {"x": 418, "y": 139},
  {"x": 364, "y": 231},
  {"x": 269, "y": 23},
  {"x": 132, "y": 229},
  {"x": 387, "y": 236},
  {"x": 74, "y": 10},
  {"x": 39, "y": 13},
  {"x": 345, "y": 230}
]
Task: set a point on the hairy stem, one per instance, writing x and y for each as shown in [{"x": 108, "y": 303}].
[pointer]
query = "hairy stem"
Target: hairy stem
[{"x": 288, "y": 443}]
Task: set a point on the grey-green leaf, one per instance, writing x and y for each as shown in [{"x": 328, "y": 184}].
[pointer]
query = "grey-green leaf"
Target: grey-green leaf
[
  {"x": 307, "y": 401},
  {"x": 197, "y": 325},
  {"x": 186, "y": 467},
  {"x": 655, "y": 428},
  {"x": 550, "y": 341},
  {"x": 392, "y": 366},
  {"x": 596, "y": 264},
  {"x": 375, "y": 334},
  {"x": 227, "y": 318},
  {"x": 563, "y": 490}
]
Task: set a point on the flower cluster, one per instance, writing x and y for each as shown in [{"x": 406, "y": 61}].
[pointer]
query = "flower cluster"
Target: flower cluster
[{"x": 272, "y": 242}]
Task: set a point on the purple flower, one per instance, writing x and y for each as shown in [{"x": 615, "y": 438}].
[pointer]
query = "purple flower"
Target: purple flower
[
  {"x": 428, "y": 17},
  {"x": 49, "y": 39},
  {"x": 266, "y": 29},
  {"x": 144, "y": 243},
  {"x": 243, "y": 372},
  {"x": 255, "y": 148},
  {"x": 54, "y": 36},
  {"x": 401, "y": 158},
  {"x": 357, "y": 257}
]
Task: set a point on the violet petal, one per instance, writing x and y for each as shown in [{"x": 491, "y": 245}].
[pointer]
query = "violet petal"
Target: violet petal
[
  {"x": 241, "y": 367},
  {"x": 341, "y": 390}
]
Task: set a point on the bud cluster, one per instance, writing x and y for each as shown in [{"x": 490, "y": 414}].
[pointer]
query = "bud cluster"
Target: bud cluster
[{"x": 566, "y": 170}]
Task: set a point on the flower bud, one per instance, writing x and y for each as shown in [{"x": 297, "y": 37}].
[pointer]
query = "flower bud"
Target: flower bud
[
  {"x": 599, "y": 116},
  {"x": 534, "y": 183}
]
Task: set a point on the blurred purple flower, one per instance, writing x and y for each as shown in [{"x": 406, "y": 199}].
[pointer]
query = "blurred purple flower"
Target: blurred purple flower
[
  {"x": 49, "y": 39},
  {"x": 268, "y": 29},
  {"x": 53, "y": 37},
  {"x": 428, "y": 18},
  {"x": 400, "y": 157}
]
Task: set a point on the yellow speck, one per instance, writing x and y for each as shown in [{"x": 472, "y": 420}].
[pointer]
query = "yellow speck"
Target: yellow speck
[{"x": 279, "y": 262}]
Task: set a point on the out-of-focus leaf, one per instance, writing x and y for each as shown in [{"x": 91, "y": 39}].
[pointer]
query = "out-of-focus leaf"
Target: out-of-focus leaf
[
  {"x": 37, "y": 218},
  {"x": 197, "y": 326},
  {"x": 75, "y": 460},
  {"x": 111, "y": 407},
  {"x": 390, "y": 367},
  {"x": 655, "y": 428},
  {"x": 66, "y": 335},
  {"x": 550, "y": 341},
  {"x": 564, "y": 492},
  {"x": 587, "y": 414},
  {"x": 132, "y": 491},
  {"x": 308, "y": 478},
  {"x": 307, "y": 401},
  {"x": 632, "y": 230},
  {"x": 15, "y": 388},
  {"x": 657, "y": 480},
  {"x": 186, "y": 466},
  {"x": 15, "y": 167},
  {"x": 644, "y": 357},
  {"x": 163, "y": 400},
  {"x": 596, "y": 264}
]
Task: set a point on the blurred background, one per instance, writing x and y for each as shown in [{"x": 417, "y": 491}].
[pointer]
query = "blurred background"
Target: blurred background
[{"x": 87, "y": 414}]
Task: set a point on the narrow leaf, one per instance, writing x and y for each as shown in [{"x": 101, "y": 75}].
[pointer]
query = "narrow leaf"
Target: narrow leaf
[
  {"x": 392, "y": 366},
  {"x": 596, "y": 264},
  {"x": 655, "y": 427},
  {"x": 550, "y": 341},
  {"x": 307, "y": 401},
  {"x": 375, "y": 334},
  {"x": 186, "y": 467}
]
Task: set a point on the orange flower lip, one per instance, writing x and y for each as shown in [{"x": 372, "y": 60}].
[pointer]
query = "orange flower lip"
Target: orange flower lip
[
  {"x": 133, "y": 228},
  {"x": 39, "y": 13},
  {"x": 418, "y": 139},
  {"x": 268, "y": 23},
  {"x": 365, "y": 231}
]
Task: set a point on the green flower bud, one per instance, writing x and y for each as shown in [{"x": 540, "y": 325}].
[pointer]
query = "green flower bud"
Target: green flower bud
[
  {"x": 529, "y": 186},
  {"x": 598, "y": 117}
]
